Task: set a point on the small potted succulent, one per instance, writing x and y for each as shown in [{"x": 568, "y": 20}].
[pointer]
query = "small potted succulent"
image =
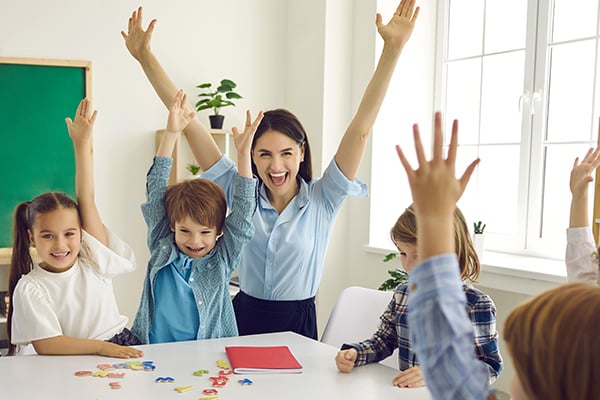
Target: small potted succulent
[
  {"x": 193, "y": 168},
  {"x": 478, "y": 237},
  {"x": 216, "y": 99}
]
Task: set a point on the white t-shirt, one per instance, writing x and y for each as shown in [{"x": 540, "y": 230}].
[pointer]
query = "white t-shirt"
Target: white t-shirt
[
  {"x": 79, "y": 302},
  {"x": 581, "y": 255}
]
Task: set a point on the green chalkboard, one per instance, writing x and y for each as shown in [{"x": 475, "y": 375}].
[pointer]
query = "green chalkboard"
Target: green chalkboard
[{"x": 36, "y": 153}]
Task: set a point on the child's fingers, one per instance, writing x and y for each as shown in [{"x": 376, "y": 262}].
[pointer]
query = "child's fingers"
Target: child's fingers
[
  {"x": 419, "y": 146},
  {"x": 453, "y": 144},
  {"x": 84, "y": 107},
  {"x": 248, "y": 118},
  {"x": 438, "y": 137},
  {"x": 183, "y": 98},
  {"x": 404, "y": 161},
  {"x": 464, "y": 179},
  {"x": 257, "y": 121}
]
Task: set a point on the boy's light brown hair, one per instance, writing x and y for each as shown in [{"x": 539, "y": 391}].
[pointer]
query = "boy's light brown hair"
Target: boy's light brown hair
[
  {"x": 200, "y": 199},
  {"x": 554, "y": 343}
]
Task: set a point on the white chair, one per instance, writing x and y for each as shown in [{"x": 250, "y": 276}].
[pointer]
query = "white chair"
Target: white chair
[{"x": 355, "y": 317}]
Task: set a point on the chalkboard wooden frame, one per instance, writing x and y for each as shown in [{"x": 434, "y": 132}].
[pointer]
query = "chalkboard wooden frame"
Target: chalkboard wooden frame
[{"x": 36, "y": 96}]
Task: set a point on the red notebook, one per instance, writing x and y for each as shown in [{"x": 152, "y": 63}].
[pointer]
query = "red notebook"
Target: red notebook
[{"x": 262, "y": 360}]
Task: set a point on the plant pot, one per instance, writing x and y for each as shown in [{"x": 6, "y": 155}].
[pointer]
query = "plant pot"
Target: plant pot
[
  {"x": 478, "y": 239},
  {"x": 216, "y": 121}
]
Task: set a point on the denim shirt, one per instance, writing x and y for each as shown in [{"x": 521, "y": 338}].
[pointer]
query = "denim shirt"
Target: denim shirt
[
  {"x": 210, "y": 274},
  {"x": 285, "y": 259}
]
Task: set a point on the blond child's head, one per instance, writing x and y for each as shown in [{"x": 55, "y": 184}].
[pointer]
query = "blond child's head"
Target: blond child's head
[{"x": 404, "y": 236}]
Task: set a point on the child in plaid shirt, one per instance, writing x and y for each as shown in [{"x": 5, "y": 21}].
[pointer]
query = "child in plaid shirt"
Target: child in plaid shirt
[{"x": 393, "y": 330}]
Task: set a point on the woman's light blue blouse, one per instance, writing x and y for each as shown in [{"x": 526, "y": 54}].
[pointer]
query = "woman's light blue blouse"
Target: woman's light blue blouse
[{"x": 284, "y": 260}]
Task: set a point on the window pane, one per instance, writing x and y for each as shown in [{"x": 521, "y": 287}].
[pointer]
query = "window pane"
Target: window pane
[
  {"x": 465, "y": 26},
  {"x": 557, "y": 195},
  {"x": 500, "y": 115},
  {"x": 497, "y": 36},
  {"x": 462, "y": 98},
  {"x": 496, "y": 184},
  {"x": 574, "y": 19},
  {"x": 571, "y": 93}
]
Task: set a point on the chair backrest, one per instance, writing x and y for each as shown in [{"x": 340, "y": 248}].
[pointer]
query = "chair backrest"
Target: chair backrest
[{"x": 355, "y": 317}]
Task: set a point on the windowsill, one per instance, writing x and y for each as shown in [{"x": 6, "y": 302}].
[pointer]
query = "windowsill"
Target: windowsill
[
  {"x": 513, "y": 273},
  {"x": 520, "y": 274}
]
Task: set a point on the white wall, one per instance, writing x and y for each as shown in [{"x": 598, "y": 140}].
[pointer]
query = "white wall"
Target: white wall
[
  {"x": 313, "y": 57},
  {"x": 197, "y": 41}
]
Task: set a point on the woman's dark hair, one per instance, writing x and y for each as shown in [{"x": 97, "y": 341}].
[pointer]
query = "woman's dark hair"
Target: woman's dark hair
[
  {"x": 21, "y": 262},
  {"x": 283, "y": 121}
]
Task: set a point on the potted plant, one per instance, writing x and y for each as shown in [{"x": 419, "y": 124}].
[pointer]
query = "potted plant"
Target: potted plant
[
  {"x": 478, "y": 236},
  {"x": 193, "y": 168},
  {"x": 397, "y": 275},
  {"x": 216, "y": 99}
]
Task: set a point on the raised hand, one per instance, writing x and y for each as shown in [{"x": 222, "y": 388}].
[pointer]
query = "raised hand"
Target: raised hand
[
  {"x": 137, "y": 39},
  {"x": 434, "y": 186},
  {"x": 435, "y": 191},
  {"x": 581, "y": 174},
  {"x": 179, "y": 118},
  {"x": 243, "y": 143},
  {"x": 81, "y": 129},
  {"x": 243, "y": 140},
  {"x": 401, "y": 25}
]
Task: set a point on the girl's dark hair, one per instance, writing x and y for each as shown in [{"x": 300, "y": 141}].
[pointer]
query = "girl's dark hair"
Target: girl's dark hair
[
  {"x": 283, "y": 121},
  {"x": 21, "y": 262}
]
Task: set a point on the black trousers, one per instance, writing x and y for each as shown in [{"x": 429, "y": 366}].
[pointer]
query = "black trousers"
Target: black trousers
[{"x": 256, "y": 316}]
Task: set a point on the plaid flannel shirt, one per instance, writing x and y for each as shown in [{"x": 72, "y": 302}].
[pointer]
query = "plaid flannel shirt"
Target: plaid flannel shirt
[{"x": 393, "y": 332}]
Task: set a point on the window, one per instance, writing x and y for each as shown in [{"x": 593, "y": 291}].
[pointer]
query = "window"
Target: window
[{"x": 522, "y": 79}]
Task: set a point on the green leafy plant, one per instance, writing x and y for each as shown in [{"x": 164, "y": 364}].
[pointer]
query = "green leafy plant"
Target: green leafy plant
[
  {"x": 193, "y": 168},
  {"x": 397, "y": 276},
  {"x": 478, "y": 227},
  {"x": 216, "y": 99}
]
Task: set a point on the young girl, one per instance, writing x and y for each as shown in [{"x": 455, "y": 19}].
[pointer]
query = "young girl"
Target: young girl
[
  {"x": 65, "y": 304},
  {"x": 552, "y": 338},
  {"x": 394, "y": 332},
  {"x": 281, "y": 269},
  {"x": 582, "y": 252},
  {"x": 194, "y": 247}
]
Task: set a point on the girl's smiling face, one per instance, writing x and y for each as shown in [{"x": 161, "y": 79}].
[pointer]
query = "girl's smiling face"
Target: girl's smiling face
[{"x": 56, "y": 236}]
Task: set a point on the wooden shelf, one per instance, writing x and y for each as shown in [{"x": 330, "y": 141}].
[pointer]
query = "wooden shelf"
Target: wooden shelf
[{"x": 5, "y": 254}]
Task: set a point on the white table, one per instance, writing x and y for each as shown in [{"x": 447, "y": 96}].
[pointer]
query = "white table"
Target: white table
[{"x": 52, "y": 377}]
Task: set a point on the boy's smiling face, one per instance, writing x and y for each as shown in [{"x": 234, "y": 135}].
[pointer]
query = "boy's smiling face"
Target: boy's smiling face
[{"x": 193, "y": 239}]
